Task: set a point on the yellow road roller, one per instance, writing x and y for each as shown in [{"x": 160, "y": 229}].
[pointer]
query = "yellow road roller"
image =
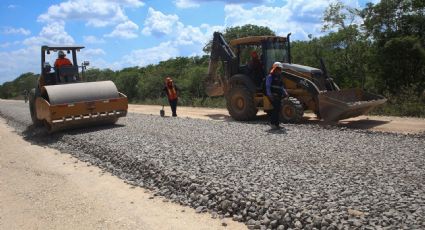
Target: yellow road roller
[{"x": 62, "y": 100}]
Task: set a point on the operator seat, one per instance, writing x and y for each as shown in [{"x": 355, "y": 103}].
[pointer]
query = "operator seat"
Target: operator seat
[{"x": 67, "y": 74}]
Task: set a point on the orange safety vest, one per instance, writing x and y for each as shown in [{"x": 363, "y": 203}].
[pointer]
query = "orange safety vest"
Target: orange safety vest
[
  {"x": 171, "y": 92},
  {"x": 62, "y": 62}
]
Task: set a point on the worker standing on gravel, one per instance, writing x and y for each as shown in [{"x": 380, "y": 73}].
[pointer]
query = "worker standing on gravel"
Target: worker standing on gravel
[
  {"x": 25, "y": 93},
  {"x": 275, "y": 91},
  {"x": 62, "y": 60},
  {"x": 172, "y": 93}
]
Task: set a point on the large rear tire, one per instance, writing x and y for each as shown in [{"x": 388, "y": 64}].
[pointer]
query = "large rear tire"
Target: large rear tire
[
  {"x": 33, "y": 111},
  {"x": 240, "y": 104},
  {"x": 292, "y": 111}
]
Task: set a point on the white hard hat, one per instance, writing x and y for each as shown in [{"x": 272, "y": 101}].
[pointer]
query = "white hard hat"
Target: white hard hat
[{"x": 276, "y": 65}]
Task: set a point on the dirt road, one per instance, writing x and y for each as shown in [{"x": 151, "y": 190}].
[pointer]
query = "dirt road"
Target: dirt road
[
  {"x": 403, "y": 125},
  {"x": 40, "y": 188}
]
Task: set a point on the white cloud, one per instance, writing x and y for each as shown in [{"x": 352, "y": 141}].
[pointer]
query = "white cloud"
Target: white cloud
[
  {"x": 125, "y": 30},
  {"x": 143, "y": 57},
  {"x": 51, "y": 34},
  {"x": 94, "y": 56},
  {"x": 5, "y": 45},
  {"x": 186, "y": 38},
  {"x": 8, "y": 44},
  {"x": 301, "y": 17},
  {"x": 186, "y": 4},
  {"x": 93, "y": 52},
  {"x": 12, "y": 6},
  {"x": 97, "y": 13},
  {"x": 196, "y": 3},
  {"x": 11, "y": 30},
  {"x": 159, "y": 24},
  {"x": 20, "y": 61},
  {"x": 129, "y": 3},
  {"x": 93, "y": 40}
]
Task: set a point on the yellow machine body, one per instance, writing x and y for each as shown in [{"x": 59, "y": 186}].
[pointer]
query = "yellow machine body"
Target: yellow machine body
[
  {"x": 80, "y": 104},
  {"x": 242, "y": 82}
]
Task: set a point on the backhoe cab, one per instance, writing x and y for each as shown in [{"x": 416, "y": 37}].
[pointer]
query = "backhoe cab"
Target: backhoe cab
[{"x": 309, "y": 88}]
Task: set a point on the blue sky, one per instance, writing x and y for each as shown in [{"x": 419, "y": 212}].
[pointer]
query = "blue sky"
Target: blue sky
[{"x": 125, "y": 33}]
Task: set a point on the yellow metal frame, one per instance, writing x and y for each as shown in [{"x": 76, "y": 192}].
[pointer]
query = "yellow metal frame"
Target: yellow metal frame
[{"x": 50, "y": 113}]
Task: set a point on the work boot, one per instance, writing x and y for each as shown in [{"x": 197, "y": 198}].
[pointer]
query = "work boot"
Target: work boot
[
  {"x": 275, "y": 127},
  {"x": 174, "y": 115}
]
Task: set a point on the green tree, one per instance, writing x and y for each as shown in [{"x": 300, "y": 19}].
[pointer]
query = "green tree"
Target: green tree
[
  {"x": 397, "y": 26},
  {"x": 100, "y": 75},
  {"x": 15, "y": 88},
  {"x": 127, "y": 80}
]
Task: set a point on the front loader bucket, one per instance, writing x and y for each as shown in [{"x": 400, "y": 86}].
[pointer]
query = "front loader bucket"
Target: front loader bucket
[{"x": 339, "y": 105}]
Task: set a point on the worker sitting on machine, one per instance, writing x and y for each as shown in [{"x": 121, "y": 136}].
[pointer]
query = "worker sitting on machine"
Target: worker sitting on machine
[
  {"x": 62, "y": 60},
  {"x": 65, "y": 71},
  {"x": 48, "y": 77},
  {"x": 256, "y": 69}
]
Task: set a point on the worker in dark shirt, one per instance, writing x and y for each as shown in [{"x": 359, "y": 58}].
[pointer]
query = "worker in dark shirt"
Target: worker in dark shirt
[{"x": 275, "y": 91}]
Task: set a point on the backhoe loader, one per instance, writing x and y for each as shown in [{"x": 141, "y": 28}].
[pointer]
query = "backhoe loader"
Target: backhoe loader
[
  {"x": 61, "y": 100},
  {"x": 308, "y": 88}
]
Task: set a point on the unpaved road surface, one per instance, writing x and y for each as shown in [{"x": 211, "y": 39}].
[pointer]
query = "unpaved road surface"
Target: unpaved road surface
[
  {"x": 303, "y": 176},
  {"x": 40, "y": 188},
  {"x": 403, "y": 125}
]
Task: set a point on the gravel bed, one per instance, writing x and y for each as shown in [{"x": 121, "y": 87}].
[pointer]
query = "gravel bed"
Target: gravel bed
[{"x": 303, "y": 177}]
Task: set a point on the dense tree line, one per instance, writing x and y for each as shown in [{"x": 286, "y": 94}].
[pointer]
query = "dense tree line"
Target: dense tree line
[
  {"x": 15, "y": 88},
  {"x": 385, "y": 53},
  {"x": 380, "y": 48}
]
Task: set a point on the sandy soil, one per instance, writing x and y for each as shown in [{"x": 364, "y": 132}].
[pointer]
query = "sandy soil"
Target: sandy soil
[
  {"x": 402, "y": 125},
  {"x": 40, "y": 188}
]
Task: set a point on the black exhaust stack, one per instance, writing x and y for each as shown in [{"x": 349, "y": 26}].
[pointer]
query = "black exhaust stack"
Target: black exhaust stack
[{"x": 289, "y": 47}]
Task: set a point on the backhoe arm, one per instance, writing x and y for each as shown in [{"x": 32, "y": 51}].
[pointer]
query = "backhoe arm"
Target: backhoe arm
[{"x": 220, "y": 50}]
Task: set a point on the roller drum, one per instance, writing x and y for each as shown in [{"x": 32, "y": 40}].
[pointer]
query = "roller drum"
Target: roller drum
[{"x": 80, "y": 92}]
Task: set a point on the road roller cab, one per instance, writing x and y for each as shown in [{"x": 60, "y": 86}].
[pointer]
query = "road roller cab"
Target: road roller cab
[{"x": 61, "y": 100}]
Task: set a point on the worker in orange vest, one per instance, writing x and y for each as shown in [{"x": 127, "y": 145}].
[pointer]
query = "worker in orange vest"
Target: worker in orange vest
[
  {"x": 172, "y": 93},
  {"x": 256, "y": 69},
  {"x": 62, "y": 60}
]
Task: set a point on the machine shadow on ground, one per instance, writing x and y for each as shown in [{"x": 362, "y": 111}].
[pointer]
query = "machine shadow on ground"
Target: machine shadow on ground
[
  {"x": 220, "y": 117},
  {"x": 363, "y": 124},
  {"x": 40, "y": 136}
]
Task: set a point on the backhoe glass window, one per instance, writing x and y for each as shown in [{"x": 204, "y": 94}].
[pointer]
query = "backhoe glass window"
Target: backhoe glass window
[
  {"x": 245, "y": 53},
  {"x": 275, "y": 51}
]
